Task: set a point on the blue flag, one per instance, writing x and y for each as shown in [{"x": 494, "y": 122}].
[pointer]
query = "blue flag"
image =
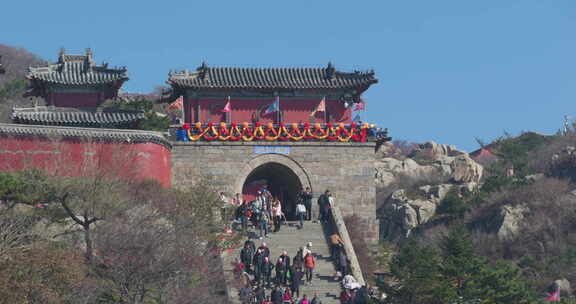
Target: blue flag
[
  {"x": 356, "y": 118},
  {"x": 274, "y": 107}
]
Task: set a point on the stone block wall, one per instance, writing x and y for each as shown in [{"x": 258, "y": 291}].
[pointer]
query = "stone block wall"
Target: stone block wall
[{"x": 346, "y": 169}]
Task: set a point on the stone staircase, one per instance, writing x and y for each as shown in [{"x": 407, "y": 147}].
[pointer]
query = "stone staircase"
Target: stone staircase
[{"x": 290, "y": 238}]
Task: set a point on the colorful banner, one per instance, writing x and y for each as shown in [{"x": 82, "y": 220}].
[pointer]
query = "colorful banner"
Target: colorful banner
[{"x": 270, "y": 132}]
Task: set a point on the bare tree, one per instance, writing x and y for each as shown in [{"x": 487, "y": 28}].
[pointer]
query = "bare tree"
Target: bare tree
[{"x": 14, "y": 235}]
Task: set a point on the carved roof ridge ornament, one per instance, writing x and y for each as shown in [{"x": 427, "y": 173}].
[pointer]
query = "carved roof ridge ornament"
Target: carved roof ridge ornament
[
  {"x": 77, "y": 69},
  {"x": 202, "y": 69},
  {"x": 89, "y": 61},
  {"x": 330, "y": 71},
  {"x": 61, "y": 54}
]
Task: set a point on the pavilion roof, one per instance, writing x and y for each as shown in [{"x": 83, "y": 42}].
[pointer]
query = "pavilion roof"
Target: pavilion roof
[
  {"x": 74, "y": 69},
  {"x": 270, "y": 78},
  {"x": 116, "y": 135},
  {"x": 75, "y": 117}
]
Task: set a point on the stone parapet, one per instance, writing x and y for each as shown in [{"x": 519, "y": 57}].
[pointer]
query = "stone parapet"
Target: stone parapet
[{"x": 340, "y": 227}]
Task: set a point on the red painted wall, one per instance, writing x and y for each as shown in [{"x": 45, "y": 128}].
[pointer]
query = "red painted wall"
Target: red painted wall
[
  {"x": 71, "y": 157},
  {"x": 244, "y": 110},
  {"x": 75, "y": 100}
]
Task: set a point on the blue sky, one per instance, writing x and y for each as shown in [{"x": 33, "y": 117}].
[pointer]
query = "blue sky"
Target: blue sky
[{"x": 449, "y": 71}]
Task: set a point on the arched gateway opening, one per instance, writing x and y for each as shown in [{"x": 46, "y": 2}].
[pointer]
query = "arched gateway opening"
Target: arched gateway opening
[{"x": 280, "y": 180}]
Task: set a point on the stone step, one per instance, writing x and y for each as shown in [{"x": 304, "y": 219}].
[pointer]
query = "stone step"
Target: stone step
[{"x": 290, "y": 238}]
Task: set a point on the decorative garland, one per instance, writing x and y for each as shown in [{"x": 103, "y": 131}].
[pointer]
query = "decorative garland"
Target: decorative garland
[{"x": 282, "y": 132}]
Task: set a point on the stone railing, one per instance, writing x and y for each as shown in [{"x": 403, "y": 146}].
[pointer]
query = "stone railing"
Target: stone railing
[{"x": 340, "y": 228}]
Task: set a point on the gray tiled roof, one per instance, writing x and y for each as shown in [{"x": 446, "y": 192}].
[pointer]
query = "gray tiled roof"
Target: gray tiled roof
[
  {"x": 270, "y": 78},
  {"x": 77, "y": 70},
  {"x": 74, "y": 117},
  {"x": 116, "y": 135}
]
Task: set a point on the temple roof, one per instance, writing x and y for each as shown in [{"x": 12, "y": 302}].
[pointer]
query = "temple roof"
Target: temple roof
[
  {"x": 72, "y": 69},
  {"x": 270, "y": 78},
  {"x": 75, "y": 117},
  {"x": 116, "y": 135}
]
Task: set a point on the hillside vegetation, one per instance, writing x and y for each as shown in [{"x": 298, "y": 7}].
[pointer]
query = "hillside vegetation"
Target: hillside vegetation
[
  {"x": 13, "y": 84},
  {"x": 100, "y": 239},
  {"x": 510, "y": 239}
]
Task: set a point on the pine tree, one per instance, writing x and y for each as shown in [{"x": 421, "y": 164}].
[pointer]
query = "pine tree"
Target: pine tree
[
  {"x": 459, "y": 262},
  {"x": 500, "y": 284},
  {"x": 416, "y": 269}
]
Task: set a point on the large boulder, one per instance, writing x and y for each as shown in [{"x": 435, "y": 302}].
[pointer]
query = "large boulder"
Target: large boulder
[
  {"x": 385, "y": 150},
  {"x": 400, "y": 214},
  {"x": 424, "y": 209},
  {"x": 387, "y": 169},
  {"x": 442, "y": 167},
  {"x": 442, "y": 160},
  {"x": 397, "y": 221},
  {"x": 466, "y": 170},
  {"x": 398, "y": 218},
  {"x": 437, "y": 150},
  {"x": 436, "y": 193},
  {"x": 509, "y": 220}
]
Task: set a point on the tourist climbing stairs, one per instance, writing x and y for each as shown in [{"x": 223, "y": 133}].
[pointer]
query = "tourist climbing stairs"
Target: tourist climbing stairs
[{"x": 290, "y": 238}]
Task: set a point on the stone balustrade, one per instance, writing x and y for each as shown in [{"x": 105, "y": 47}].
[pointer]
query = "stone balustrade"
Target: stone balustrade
[{"x": 340, "y": 228}]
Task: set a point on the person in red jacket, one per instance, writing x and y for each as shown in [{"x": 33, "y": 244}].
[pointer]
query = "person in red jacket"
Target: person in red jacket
[
  {"x": 287, "y": 297},
  {"x": 309, "y": 264}
]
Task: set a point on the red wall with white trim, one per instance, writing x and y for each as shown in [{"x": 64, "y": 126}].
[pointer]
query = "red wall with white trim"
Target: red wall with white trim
[{"x": 74, "y": 157}]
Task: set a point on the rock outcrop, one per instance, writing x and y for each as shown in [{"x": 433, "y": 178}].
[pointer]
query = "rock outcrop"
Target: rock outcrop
[
  {"x": 388, "y": 169},
  {"x": 439, "y": 150},
  {"x": 401, "y": 213},
  {"x": 441, "y": 160},
  {"x": 465, "y": 169},
  {"x": 509, "y": 221}
]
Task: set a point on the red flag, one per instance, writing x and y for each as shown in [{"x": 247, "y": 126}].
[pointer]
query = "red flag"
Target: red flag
[
  {"x": 555, "y": 296},
  {"x": 322, "y": 105},
  {"x": 361, "y": 106},
  {"x": 227, "y": 107},
  {"x": 320, "y": 108},
  {"x": 177, "y": 104}
]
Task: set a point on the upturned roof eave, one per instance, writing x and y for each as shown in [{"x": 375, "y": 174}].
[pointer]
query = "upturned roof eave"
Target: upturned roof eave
[
  {"x": 116, "y": 135},
  {"x": 181, "y": 85},
  {"x": 120, "y": 80}
]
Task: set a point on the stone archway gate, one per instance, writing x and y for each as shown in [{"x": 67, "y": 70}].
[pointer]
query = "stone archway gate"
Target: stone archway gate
[{"x": 346, "y": 169}]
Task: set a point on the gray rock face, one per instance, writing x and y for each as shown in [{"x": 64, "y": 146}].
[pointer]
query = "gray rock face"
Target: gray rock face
[
  {"x": 424, "y": 210},
  {"x": 445, "y": 161},
  {"x": 465, "y": 169},
  {"x": 387, "y": 169},
  {"x": 509, "y": 220},
  {"x": 400, "y": 214},
  {"x": 439, "y": 149},
  {"x": 436, "y": 193}
]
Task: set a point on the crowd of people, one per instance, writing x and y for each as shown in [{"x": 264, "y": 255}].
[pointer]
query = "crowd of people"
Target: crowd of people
[
  {"x": 270, "y": 280},
  {"x": 265, "y": 212},
  {"x": 282, "y": 278}
]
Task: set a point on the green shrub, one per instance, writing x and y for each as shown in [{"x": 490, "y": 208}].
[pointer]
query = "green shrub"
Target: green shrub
[{"x": 453, "y": 204}]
